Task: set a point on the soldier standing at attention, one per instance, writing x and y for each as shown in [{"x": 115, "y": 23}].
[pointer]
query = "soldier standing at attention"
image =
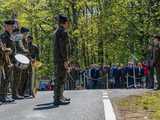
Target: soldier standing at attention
[
  {"x": 33, "y": 56},
  {"x": 60, "y": 60},
  {"x": 156, "y": 58},
  {"x": 6, "y": 44},
  {"x": 25, "y": 73}
]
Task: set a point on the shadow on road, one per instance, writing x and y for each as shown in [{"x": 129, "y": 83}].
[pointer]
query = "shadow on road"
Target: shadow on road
[{"x": 45, "y": 106}]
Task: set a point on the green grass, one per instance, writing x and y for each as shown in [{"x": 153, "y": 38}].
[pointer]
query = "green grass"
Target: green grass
[{"x": 148, "y": 102}]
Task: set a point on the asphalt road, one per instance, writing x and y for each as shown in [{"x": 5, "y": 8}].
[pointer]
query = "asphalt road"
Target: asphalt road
[{"x": 85, "y": 105}]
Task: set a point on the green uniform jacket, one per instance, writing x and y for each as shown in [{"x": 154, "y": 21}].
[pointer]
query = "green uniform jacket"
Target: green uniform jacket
[{"x": 60, "y": 45}]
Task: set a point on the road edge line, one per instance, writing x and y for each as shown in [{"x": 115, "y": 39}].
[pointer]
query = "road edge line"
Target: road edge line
[{"x": 108, "y": 108}]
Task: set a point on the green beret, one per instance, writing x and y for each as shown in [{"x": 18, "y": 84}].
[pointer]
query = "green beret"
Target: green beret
[
  {"x": 9, "y": 22},
  {"x": 61, "y": 18}
]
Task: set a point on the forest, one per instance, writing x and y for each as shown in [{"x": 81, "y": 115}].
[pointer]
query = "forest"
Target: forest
[{"x": 101, "y": 31}]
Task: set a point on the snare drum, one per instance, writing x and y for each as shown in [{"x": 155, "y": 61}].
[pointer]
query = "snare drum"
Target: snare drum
[{"x": 22, "y": 61}]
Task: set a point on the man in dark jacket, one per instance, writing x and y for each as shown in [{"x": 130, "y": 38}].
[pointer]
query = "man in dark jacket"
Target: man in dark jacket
[
  {"x": 60, "y": 60},
  {"x": 94, "y": 76}
]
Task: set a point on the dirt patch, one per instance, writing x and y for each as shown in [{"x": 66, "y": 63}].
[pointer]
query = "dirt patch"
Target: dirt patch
[
  {"x": 139, "y": 107},
  {"x": 129, "y": 114}
]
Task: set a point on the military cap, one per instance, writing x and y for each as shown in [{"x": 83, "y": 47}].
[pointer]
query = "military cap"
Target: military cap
[
  {"x": 23, "y": 30},
  {"x": 30, "y": 37},
  {"x": 157, "y": 36},
  {"x": 61, "y": 18},
  {"x": 9, "y": 22}
]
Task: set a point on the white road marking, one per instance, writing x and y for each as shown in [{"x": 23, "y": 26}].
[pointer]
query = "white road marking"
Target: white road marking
[
  {"x": 105, "y": 93},
  {"x": 105, "y": 97},
  {"x": 108, "y": 109}
]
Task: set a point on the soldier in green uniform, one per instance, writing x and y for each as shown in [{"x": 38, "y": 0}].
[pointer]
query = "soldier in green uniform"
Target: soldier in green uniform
[
  {"x": 33, "y": 55},
  {"x": 25, "y": 73},
  {"x": 19, "y": 49},
  {"x": 1, "y": 64},
  {"x": 6, "y": 43},
  {"x": 60, "y": 60},
  {"x": 149, "y": 58},
  {"x": 156, "y": 58}
]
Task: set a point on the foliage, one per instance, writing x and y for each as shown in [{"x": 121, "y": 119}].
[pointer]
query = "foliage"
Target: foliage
[{"x": 101, "y": 31}]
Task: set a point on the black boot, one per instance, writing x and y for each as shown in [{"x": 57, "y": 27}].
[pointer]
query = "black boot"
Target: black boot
[
  {"x": 17, "y": 97},
  {"x": 61, "y": 102},
  {"x": 6, "y": 100},
  {"x": 66, "y": 99}
]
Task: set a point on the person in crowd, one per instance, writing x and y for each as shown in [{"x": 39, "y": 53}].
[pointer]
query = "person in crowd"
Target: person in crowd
[
  {"x": 107, "y": 70},
  {"x": 83, "y": 78},
  {"x": 72, "y": 76},
  {"x": 111, "y": 78},
  {"x": 114, "y": 71},
  {"x": 130, "y": 75},
  {"x": 117, "y": 77},
  {"x": 139, "y": 71},
  {"x": 122, "y": 76},
  {"x": 149, "y": 82},
  {"x": 86, "y": 76},
  {"x": 94, "y": 76},
  {"x": 77, "y": 76},
  {"x": 102, "y": 77}
]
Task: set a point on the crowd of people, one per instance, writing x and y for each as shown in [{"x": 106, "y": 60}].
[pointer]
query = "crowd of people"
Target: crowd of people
[
  {"x": 113, "y": 76},
  {"x": 17, "y": 56},
  {"x": 130, "y": 76},
  {"x": 145, "y": 74}
]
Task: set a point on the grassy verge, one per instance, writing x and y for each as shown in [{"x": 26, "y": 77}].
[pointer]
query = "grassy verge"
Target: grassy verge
[{"x": 144, "y": 107}]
